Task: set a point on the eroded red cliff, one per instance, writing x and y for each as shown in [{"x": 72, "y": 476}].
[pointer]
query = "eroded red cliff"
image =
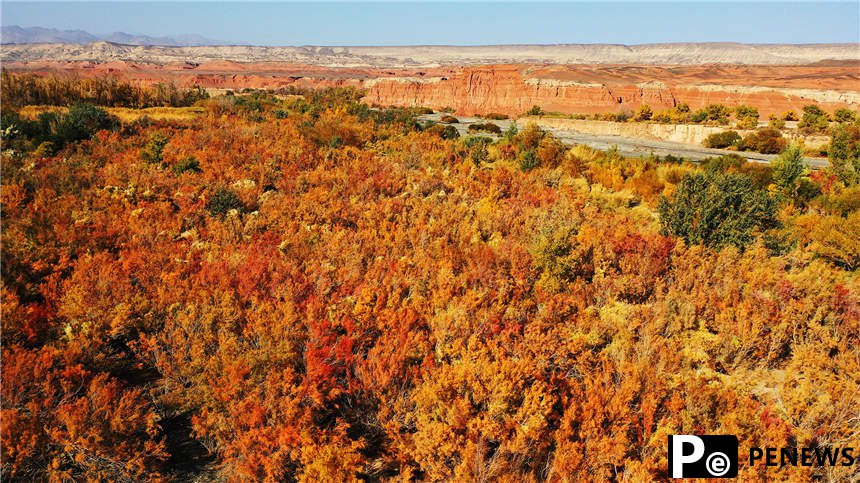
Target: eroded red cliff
[{"x": 513, "y": 89}]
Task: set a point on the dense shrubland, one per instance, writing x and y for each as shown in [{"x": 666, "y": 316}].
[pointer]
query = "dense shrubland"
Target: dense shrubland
[
  {"x": 30, "y": 89},
  {"x": 305, "y": 288}
]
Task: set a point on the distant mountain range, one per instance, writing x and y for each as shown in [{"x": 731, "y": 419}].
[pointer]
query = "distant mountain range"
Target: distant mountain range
[
  {"x": 45, "y": 44},
  {"x": 13, "y": 34}
]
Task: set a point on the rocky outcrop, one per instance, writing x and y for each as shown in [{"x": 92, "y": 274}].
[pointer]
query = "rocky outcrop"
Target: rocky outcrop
[
  {"x": 512, "y": 88},
  {"x": 509, "y": 89}
]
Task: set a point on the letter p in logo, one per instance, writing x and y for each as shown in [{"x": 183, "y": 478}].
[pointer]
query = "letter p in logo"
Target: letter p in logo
[{"x": 678, "y": 458}]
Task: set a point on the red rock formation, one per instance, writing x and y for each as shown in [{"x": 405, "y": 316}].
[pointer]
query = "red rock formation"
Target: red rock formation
[{"x": 513, "y": 89}]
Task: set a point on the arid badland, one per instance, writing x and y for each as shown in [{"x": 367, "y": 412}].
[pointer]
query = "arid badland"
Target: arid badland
[{"x": 504, "y": 79}]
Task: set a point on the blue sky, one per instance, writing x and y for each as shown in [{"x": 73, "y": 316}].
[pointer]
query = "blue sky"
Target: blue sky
[{"x": 360, "y": 23}]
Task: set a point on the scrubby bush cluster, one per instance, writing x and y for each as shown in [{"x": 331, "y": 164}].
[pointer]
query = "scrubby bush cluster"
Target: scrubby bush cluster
[
  {"x": 485, "y": 127},
  {"x": 722, "y": 140},
  {"x": 31, "y": 89},
  {"x": 53, "y": 130},
  {"x": 495, "y": 116},
  {"x": 307, "y": 289},
  {"x": 764, "y": 140},
  {"x": 813, "y": 121}
]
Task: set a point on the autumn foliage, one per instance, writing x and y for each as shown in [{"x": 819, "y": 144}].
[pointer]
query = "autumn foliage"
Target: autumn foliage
[{"x": 301, "y": 288}]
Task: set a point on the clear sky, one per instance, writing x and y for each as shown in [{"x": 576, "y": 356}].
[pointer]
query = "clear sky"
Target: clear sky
[{"x": 360, "y": 23}]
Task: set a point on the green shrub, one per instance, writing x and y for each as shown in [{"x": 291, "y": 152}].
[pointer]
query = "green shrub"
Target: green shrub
[
  {"x": 814, "y": 119},
  {"x": 535, "y": 111},
  {"x": 842, "y": 201},
  {"x": 223, "y": 201},
  {"x": 560, "y": 259},
  {"x": 512, "y": 131},
  {"x": 844, "y": 153},
  {"x": 188, "y": 163},
  {"x": 496, "y": 116},
  {"x": 723, "y": 164},
  {"x": 81, "y": 122},
  {"x": 662, "y": 117},
  {"x": 718, "y": 113},
  {"x": 479, "y": 153},
  {"x": 444, "y": 132},
  {"x": 747, "y": 116},
  {"x": 715, "y": 210},
  {"x": 448, "y": 119},
  {"x": 622, "y": 116},
  {"x": 765, "y": 141},
  {"x": 807, "y": 190},
  {"x": 529, "y": 160},
  {"x": 699, "y": 116},
  {"x": 788, "y": 167},
  {"x": 722, "y": 139},
  {"x": 844, "y": 115},
  {"x": 485, "y": 127},
  {"x": 472, "y": 141},
  {"x": 644, "y": 113},
  {"x": 153, "y": 152}
]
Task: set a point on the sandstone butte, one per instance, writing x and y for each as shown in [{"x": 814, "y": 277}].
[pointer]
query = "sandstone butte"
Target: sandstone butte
[{"x": 514, "y": 88}]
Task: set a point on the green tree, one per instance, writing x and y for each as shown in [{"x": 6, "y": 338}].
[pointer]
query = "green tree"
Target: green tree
[
  {"x": 644, "y": 113},
  {"x": 814, "y": 119},
  {"x": 747, "y": 116},
  {"x": 718, "y": 113},
  {"x": 716, "y": 209},
  {"x": 844, "y": 153},
  {"x": 844, "y": 115},
  {"x": 788, "y": 168}
]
